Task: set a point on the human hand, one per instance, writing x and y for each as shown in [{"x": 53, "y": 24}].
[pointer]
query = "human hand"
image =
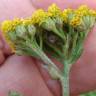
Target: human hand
[{"x": 28, "y": 75}]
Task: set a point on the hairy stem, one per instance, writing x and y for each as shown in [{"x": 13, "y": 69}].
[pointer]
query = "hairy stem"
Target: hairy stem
[
  {"x": 53, "y": 70},
  {"x": 65, "y": 79}
]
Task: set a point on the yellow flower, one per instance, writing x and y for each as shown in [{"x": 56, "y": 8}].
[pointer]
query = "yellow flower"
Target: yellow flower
[
  {"x": 92, "y": 12},
  {"x": 82, "y": 11},
  {"x": 16, "y": 21},
  {"x": 54, "y": 10},
  {"x": 6, "y": 26},
  {"x": 65, "y": 17},
  {"x": 76, "y": 21},
  {"x": 66, "y": 13},
  {"x": 83, "y": 7},
  {"x": 39, "y": 16},
  {"x": 27, "y": 21}
]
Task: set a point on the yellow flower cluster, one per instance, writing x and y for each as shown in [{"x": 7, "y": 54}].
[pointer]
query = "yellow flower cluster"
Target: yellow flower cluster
[
  {"x": 54, "y": 11},
  {"x": 10, "y": 25},
  {"x": 66, "y": 13},
  {"x": 92, "y": 12},
  {"x": 27, "y": 21},
  {"x": 16, "y": 21},
  {"x": 76, "y": 21},
  {"x": 84, "y": 10},
  {"x": 7, "y": 26},
  {"x": 39, "y": 16}
]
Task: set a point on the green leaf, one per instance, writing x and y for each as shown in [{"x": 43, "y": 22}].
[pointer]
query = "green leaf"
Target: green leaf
[
  {"x": 14, "y": 93},
  {"x": 92, "y": 93}
]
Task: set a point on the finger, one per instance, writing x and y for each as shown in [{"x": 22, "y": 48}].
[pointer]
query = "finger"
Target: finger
[
  {"x": 63, "y": 3},
  {"x": 53, "y": 85},
  {"x": 19, "y": 73},
  {"x": 82, "y": 73}
]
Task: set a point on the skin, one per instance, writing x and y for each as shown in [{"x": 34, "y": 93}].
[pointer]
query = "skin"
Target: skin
[{"x": 26, "y": 74}]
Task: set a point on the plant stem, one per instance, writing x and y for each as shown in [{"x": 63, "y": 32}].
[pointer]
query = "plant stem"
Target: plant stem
[
  {"x": 65, "y": 79},
  {"x": 53, "y": 70}
]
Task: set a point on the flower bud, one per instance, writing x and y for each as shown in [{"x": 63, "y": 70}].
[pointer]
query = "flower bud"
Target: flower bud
[
  {"x": 12, "y": 36},
  {"x": 49, "y": 24},
  {"x": 59, "y": 22},
  {"x": 21, "y": 31},
  {"x": 31, "y": 30}
]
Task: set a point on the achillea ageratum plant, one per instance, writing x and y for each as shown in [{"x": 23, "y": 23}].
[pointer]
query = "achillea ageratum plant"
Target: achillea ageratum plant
[{"x": 59, "y": 33}]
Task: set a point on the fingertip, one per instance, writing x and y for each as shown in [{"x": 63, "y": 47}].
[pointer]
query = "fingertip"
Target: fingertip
[{"x": 53, "y": 85}]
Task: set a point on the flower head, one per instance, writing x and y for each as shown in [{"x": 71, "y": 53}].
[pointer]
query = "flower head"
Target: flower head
[
  {"x": 54, "y": 10},
  {"x": 66, "y": 13},
  {"x": 82, "y": 11},
  {"x": 39, "y": 16},
  {"x": 6, "y": 26},
  {"x": 26, "y": 21},
  {"x": 65, "y": 17},
  {"x": 76, "y": 21},
  {"x": 16, "y": 21},
  {"x": 92, "y": 12},
  {"x": 52, "y": 21}
]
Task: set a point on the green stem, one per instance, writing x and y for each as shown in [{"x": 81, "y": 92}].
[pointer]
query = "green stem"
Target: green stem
[
  {"x": 66, "y": 47},
  {"x": 51, "y": 67},
  {"x": 63, "y": 33},
  {"x": 55, "y": 49},
  {"x": 65, "y": 79},
  {"x": 41, "y": 41},
  {"x": 58, "y": 33}
]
